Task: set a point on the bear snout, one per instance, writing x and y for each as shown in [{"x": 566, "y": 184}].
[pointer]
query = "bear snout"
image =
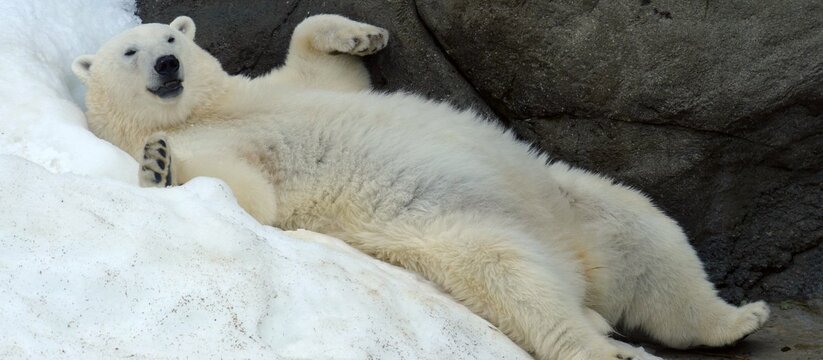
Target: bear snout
[
  {"x": 167, "y": 66},
  {"x": 168, "y": 84}
]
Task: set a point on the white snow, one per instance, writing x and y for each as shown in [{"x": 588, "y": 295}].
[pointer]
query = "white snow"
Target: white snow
[
  {"x": 93, "y": 266},
  {"x": 39, "y": 118}
]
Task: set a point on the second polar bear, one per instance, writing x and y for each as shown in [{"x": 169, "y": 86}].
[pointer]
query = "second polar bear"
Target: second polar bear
[{"x": 553, "y": 256}]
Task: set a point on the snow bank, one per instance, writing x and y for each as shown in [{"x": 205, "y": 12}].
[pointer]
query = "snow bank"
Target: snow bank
[
  {"x": 92, "y": 266},
  {"x": 39, "y": 116},
  {"x": 95, "y": 267}
]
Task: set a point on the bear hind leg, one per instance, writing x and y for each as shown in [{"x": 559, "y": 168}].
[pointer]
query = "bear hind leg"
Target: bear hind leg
[
  {"x": 535, "y": 297},
  {"x": 655, "y": 281},
  {"x": 674, "y": 301}
]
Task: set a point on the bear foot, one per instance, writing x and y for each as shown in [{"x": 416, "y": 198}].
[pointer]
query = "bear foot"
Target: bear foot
[
  {"x": 354, "y": 38},
  {"x": 155, "y": 168},
  {"x": 748, "y": 319},
  {"x": 625, "y": 351}
]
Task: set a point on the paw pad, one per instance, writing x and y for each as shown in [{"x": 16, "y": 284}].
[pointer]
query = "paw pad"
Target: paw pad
[
  {"x": 359, "y": 40},
  {"x": 155, "y": 168}
]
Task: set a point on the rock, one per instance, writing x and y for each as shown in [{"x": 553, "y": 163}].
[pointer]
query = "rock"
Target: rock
[
  {"x": 715, "y": 109},
  {"x": 251, "y": 38},
  {"x": 688, "y": 63}
]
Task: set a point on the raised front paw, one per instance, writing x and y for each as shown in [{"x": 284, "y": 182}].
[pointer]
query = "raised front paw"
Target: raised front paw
[
  {"x": 155, "y": 167},
  {"x": 344, "y": 36}
]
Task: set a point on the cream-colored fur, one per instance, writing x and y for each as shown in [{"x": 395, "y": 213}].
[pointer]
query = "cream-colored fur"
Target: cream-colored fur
[{"x": 554, "y": 256}]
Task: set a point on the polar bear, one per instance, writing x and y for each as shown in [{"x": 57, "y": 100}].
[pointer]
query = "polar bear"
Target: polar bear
[{"x": 554, "y": 256}]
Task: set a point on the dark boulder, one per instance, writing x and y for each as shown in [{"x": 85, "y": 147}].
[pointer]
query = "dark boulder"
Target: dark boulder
[
  {"x": 251, "y": 37},
  {"x": 715, "y": 109}
]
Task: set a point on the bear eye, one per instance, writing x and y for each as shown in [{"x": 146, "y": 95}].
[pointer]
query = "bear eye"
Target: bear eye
[
  {"x": 171, "y": 39},
  {"x": 130, "y": 52}
]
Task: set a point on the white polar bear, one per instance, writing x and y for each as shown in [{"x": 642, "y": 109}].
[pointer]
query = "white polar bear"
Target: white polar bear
[{"x": 554, "y": 256}]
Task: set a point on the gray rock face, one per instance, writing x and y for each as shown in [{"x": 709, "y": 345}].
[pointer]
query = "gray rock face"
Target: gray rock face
[
  {"x": 715, "y": 109},
  {"x": 251, "y": 37}
]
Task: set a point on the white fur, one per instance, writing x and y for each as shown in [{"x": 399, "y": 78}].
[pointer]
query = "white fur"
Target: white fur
[{"x": 554, "y": 256}]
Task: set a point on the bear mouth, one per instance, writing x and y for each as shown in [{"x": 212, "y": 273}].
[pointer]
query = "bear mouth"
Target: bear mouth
[{"x": 169, "y": 89}]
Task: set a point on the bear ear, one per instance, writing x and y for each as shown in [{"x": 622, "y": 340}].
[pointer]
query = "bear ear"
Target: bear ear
[
  {"x": 82, "y": 67},
  {"x": 185, "y": 25}
]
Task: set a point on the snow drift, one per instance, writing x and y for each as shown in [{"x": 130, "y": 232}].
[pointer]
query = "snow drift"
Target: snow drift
[{"x": 93, "y": 266}]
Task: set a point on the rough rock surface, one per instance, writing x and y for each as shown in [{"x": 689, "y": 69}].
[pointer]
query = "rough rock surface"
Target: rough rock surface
[
  {"x": 715, "y": 109},
  {"x": 251, "y": 37}
]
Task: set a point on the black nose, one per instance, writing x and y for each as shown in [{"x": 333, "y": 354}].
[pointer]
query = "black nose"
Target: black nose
[{"x": 167, "y": 65}]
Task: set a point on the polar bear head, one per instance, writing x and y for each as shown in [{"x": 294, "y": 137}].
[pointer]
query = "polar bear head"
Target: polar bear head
[{"x": 150, "y": 76}]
